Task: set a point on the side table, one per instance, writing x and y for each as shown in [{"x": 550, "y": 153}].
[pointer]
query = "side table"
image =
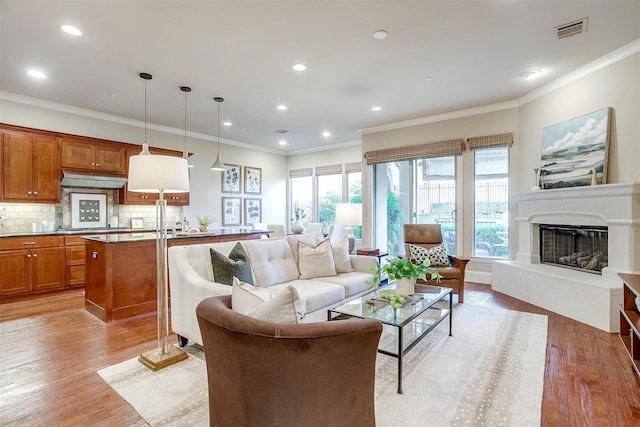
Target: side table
[{"x": 376, "y": 253}]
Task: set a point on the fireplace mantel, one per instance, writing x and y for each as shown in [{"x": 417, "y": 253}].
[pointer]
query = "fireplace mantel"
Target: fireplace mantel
[{"x": 592, "y": 300}]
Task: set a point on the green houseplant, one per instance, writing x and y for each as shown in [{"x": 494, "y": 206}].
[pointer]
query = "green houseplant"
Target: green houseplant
[
  {"x": 205, "y": 221},
  {"x": 405, "y": 273}
]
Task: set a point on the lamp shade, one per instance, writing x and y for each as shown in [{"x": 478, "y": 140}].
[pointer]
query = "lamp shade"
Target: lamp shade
[
  {"x": 348, "y": 214},
  {"x": 152, "y": 173}
]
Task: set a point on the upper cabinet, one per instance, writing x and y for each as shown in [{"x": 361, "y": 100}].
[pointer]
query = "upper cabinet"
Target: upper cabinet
[
  {"x": 30, "y": 167},
  {"x": 94, "y": 157}
]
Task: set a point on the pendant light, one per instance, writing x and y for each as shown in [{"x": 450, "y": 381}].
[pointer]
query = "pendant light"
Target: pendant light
[
  {"x": 218, "y": 165},
  {"x": 185, "y": 155},
  {"x": 145, "y": 147}
]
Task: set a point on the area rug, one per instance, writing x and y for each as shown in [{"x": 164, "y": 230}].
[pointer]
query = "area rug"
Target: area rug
[{"x": 489, "y": 373}]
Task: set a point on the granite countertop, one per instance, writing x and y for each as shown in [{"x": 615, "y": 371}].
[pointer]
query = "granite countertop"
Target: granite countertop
[
  {"x": 68, "y": 231},
  {"x": 145, "y": 235},
  {"x": 141, "y": 234}
]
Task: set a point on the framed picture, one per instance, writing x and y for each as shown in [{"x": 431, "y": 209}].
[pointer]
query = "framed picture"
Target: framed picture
[
  {"x": 252, "y": 180},
  {"x": 231, "y": 180},
  {"x": 574, "y": 152},
  {"x": 231, "y": 211},
  {"x": 252, "y": 211},
  {"x": 88, "y": 210}
]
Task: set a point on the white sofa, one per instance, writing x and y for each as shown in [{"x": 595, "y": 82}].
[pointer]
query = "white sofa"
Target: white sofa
[{"x": 273, "y": 264}]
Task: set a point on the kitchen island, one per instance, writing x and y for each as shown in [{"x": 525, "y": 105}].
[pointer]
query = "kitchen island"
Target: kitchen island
[{"x": 121, "y": 269}]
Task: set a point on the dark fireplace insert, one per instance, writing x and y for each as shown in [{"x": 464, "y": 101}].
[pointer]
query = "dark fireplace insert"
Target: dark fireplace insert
[{"x": 583, "y": 248}]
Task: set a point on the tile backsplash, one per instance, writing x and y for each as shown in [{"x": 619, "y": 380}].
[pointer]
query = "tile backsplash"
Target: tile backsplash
[{"x": 19, "y": 217}]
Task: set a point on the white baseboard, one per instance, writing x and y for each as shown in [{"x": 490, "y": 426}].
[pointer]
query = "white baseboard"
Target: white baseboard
[{"x": 477, "y": 276}]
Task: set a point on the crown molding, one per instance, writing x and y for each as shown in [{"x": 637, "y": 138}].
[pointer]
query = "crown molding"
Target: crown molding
[
  {"x": 489, "y": 108},
  {"x": 83, "y": 112},
  {"x": 590, "y": 68},
  {"x": 325, "y": 148}
]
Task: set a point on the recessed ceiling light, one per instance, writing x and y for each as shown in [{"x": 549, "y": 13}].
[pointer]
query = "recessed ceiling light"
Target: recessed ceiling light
[
  {"x": 226, "y": 123},
  {"x": 37, "y": 74},
  {"x": 70, "y": 29},
  {"x": 281, "y": 107},
  {"x": 282, "y": 142},
  {"x": 380, "y": 34},
  {"x": 530, "y": 74},
  {"x": 113, "y": 94},
  {"x": 428, "y": 78},
  {"x": 299, "y": 67},
  {"x": 376, "y": 108},
  {"x": 326, "y": 134}
]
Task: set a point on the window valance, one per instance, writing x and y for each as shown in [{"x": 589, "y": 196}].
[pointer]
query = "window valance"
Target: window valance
[
  {"x": 297, "y": 173},
  {"x": 353, "y": 167},
  {"x": 328, "y": 170},
  {"x": 452, "y": 147},
  {"x": 490, "y": 141}
]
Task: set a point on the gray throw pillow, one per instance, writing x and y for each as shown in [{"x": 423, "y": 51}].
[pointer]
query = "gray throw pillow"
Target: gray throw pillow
[{"x": 235, "y": 265}]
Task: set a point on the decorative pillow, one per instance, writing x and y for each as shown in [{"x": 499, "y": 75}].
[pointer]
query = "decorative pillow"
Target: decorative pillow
[
  {"x": 235, "y": 265},
  {"x": 316, "y": 262},
  {"x": 436, "y": 255},
  {"x": 341, "y": 258},
  {"x": 267, "y": 305}
]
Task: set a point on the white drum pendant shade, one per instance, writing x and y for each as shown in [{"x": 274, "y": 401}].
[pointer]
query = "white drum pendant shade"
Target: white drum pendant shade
[{"x": 153, "y": 173}]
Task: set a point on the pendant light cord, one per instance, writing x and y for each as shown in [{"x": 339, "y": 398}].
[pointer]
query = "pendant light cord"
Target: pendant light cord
[
  {"x": 218, "y": 128},
  {"x": 185, "y": 123}
]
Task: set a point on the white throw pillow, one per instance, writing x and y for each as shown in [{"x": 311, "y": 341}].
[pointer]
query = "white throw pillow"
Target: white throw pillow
[
  {"x": 341, "y": 258},
  {"x": 436, "y": 255},
  {"x": 316, "y": 262},
  {"x": 263, "y": 304}
]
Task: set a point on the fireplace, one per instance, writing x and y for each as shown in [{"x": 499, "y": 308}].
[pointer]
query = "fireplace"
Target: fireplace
[
  {"x": 586, "y": 212},
  {"x": 583, "y": 248}
]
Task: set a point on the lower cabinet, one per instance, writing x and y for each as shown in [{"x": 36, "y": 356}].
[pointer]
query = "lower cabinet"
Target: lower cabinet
[
  {"x": 31, "y": 265},
  {"x": 75, "y": 254}
]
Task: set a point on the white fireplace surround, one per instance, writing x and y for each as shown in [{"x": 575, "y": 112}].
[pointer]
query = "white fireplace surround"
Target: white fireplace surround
[{"x": 583, "y": 296}]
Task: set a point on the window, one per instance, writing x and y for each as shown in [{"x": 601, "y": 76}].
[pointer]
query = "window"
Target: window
[
  {"x": 491, "y": 222},
  {"x": 329, "y": 193},
  {"x": 435, "y": 196},
  {"x": 302, "y": 192},
  {"x": 354, "y": 195},
  {"x": 391, "y": 205}
]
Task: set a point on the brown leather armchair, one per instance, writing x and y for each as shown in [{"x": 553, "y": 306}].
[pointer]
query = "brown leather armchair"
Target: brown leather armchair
[
  {"x": 267, "y": 374},
  {"x": 428, "y": 236}
]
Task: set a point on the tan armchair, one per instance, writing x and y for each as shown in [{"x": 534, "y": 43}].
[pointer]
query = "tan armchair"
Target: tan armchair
[
  {"x": 268, "y": 374},
  {"x": 428, "y": 236}
]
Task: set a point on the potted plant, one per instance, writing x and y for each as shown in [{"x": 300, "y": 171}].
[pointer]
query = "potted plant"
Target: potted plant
[
  {"x": 405, "y": 273},
  {"x": 205, "y": 221}
]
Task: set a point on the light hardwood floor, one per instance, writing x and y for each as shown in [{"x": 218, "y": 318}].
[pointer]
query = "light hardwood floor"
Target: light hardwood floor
[{"x": 51, "y": 349}]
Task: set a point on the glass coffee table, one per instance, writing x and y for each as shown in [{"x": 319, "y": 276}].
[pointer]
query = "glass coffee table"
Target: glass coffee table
[{"x": 404, "y": 327}]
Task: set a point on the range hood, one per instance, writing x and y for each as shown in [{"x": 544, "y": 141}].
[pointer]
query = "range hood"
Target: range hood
[{"x": 79, "y": 179}]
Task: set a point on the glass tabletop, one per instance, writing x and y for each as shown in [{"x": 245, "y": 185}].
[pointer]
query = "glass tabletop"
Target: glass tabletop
[{"x": 369, "y": 306}]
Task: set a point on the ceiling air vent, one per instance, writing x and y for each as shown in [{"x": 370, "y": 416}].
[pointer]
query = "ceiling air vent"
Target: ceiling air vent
[
  {"x": 572, "y": 28},
  {"x": 281, "y": 131}
]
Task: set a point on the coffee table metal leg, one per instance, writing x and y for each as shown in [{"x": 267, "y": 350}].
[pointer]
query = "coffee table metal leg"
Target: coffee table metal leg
[
  {"x": 450, "y": 311},
  {"x": 400, "y": 360}
]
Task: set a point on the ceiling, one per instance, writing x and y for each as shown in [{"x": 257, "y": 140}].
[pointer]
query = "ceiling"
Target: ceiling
[{"x": 439, "y": 57}]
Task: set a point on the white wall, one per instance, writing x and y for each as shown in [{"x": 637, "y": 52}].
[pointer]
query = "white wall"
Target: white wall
[{"x": 206, "y": 185}]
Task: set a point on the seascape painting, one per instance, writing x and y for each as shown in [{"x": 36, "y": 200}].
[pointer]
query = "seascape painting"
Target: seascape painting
[{"x": 575, "y": 151}]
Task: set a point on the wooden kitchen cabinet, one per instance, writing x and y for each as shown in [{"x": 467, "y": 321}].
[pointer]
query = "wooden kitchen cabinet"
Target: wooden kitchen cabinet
[
  {"x": 75, "y": 260},
  {"x": 30, "y": 167},
  {"x": 31, "y": 264},
  {"x": 93, "y": 157}
]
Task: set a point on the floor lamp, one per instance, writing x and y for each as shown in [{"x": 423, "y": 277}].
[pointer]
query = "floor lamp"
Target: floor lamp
[
  {"x": 151, "y": 173},
  {"x": 349, "y": 215}
]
